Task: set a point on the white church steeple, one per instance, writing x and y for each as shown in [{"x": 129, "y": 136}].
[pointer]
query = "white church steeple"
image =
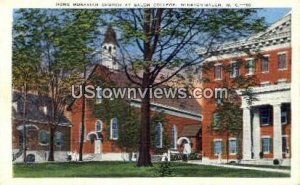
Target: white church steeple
[{"x": 109, "y": 49}]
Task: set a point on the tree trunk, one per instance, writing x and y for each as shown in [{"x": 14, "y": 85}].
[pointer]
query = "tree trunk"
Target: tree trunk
[
  {"x": 144, "y": 148},
  {"x": 51, "y": 144},
  {"x": 24, "y": 125},
  {"x": 227, "y": 146}
]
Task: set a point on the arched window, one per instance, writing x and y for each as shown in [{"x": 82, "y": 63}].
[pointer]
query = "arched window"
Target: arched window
[
  {"x": 174, "y": 137},
  {"x": 58, "y": 138},
  {"x": 98, "y": 126},
  {"x": 43, "y": 137},
  {"x": 114, "y": 129},
  {"x": 159, "y": 136}
]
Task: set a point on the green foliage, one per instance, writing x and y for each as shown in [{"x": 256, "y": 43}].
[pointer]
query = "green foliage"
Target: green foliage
[{"x": 165, "y": 169}]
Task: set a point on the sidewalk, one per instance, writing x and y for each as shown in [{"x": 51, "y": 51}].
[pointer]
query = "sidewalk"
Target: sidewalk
[{"x": 241, "y": 167}]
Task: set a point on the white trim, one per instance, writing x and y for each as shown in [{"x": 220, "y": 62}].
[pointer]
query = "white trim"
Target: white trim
[
  {"x": 253, "y": 67},
  {"x": 62, "y": 140},
  {"x": 156, "y": 107},
  {"x": 286, "y": 60},
  {"x": 101, "y": 123},
  {"x": 232, "y": 139},
  {"x": 267, "y": 137},
  {"x": 48, "y": 134},
  {"x": 111, "y": 129},
  {"x": 218, "y": 139},
  {"x": 265, "y": 83},
  {"x": 174, "y": 139},
  {"x": 161, "y": 130}
]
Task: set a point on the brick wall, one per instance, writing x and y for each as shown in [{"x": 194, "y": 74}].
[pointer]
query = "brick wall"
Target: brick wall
[
  {"x": 209, "y": 105},
  {"x": 33, "y": 137}
]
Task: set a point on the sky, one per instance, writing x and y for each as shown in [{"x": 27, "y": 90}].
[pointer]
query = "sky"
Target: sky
[{"x": 273, "y": 14}]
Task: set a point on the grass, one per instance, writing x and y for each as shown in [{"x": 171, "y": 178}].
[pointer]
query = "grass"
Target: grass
[
  {"x": 128, "y": 169},
  {"x": 265, "y": 166}
]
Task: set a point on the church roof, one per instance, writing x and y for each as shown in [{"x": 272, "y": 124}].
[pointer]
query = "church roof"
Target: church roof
[{"x": 110, "y": 36}]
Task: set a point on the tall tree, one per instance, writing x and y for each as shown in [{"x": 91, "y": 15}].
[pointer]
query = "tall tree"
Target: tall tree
[
  {"x": 65, "y": 41},
  {"x": 167, "y": 41}
]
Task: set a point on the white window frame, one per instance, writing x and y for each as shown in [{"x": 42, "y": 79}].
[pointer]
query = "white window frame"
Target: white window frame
[
  {"x": 159, "y": 134},
  {"x": 215, "y": 76},
  {"x": 62, "y": 140},
  {"x": 101, "y": 123},
  {"x": 286, "y": 60},
  {"x": 217, "y": 140},
  {"x": 43, "y": 144},
  {"x": 174, "y": 136},
  {"x": 287, "y": 143},
  {"x": 270, "y": 119},
  {"x": 262, "y": 63},
  {"x": 111, "y": 129},
  {"x": 266, "y": 137},
  {"x": 99, "y": 99},
  {"x": 286, "y": 115},
  {"x": 252, "y": 67},
  {"x": 235, "y": 70},
  {"x": 232, "y": 139}
]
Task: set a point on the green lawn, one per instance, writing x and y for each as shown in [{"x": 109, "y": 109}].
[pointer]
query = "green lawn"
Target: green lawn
[
  {"x": 265, "y": 166},
  {"x": 127, "y": 169}
]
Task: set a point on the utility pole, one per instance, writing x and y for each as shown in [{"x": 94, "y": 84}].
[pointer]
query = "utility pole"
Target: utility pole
[{"x": 82, "y": 116}]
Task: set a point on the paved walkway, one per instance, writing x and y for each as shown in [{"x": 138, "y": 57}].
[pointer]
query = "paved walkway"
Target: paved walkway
[{"x": 242, "y": 167}]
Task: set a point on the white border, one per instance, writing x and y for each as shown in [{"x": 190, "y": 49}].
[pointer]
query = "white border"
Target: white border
[{"x": 5, "y": 101}]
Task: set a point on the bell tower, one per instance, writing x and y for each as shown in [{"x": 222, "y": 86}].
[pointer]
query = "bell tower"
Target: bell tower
[{"x": 109, "y": 49}]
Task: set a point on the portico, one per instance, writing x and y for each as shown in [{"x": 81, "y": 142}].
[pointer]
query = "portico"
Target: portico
[{"x": 266, "y": 111}]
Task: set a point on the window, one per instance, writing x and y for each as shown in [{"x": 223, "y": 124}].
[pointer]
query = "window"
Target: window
[
  {"x": 174, "y": 137},
  {"x": 232, "y": 146},
  {"x": 114, "y": 129},
  {"x": 216, "y": 120},
  {"x": 282, "y": 64},
  {"x": 218, "y": 146},
  {"x": 159, "y": 136},
  {"x": 99, "y": 96},
  {"x": 250, "y": 67},
  {"x": 266, "y": 117},
  {"x": 98, "y": 126},
  {"x": 265, "y": 64},
  {"x": 285, "y": 146},
  {"x": 266, "y": 144},
  {"x": 58, "y": 138},
  {"x": 43, "y": 137},
  {"x": 285, "y": 113},
  {"x": 235, "y": 71},
  {"x": 218, "y": 72}
]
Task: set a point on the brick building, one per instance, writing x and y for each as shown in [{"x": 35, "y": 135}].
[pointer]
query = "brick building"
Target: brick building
[
  {"x": 37, "y": 129},
  {"x": 266, "y": 133},
  {"x": 183, "y": 116}
]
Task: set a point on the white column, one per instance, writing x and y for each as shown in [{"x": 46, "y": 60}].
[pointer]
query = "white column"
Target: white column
[
  {"x": 246, "y": 133},
  {"x": 277, "y": 132},
  {"x": 256, "y": 134}
]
